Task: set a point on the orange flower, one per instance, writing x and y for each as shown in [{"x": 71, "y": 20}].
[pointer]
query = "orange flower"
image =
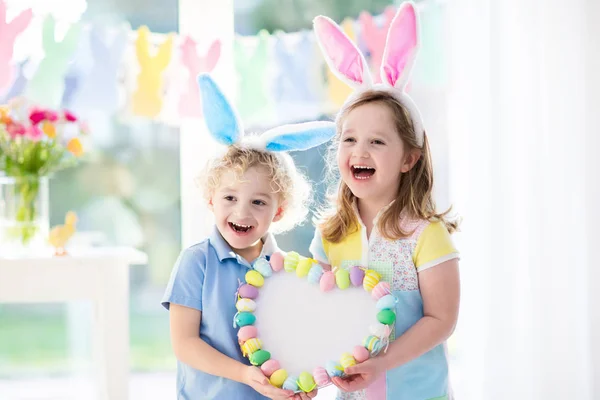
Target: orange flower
[
  {"x": 49, "y": 129},
  {"x": 75, "y": 147}
]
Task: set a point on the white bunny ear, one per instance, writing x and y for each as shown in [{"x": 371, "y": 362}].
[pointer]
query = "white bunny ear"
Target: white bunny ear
[
  {"x": 401, "y": 47},
  {"x": 295, "y": 137},
  {"x": 343, "y": 57}
]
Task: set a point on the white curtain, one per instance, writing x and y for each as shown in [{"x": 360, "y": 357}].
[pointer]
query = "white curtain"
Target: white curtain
[{"x": 523, "y": 133}]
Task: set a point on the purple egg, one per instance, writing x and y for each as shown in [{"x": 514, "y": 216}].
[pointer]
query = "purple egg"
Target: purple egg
[
  {"x": 356, "y": 276},
  {"x": 248, "y": 291}
]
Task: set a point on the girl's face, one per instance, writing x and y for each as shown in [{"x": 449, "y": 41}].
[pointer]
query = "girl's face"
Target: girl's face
[
  {"x": 371, "y": 156},
  {"x": 244, "y": 209}
]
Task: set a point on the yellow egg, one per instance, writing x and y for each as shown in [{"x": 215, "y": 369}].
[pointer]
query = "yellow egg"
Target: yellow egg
[
  {"x": 251, "y": 345},
  {"x": 347, "y": 360},
  {"x": 255, "y": 278},
  {"x": 372, "y": 278},
  {"x": 245, "y": 305},
  {"x": 278, "y": 378},
  {"x": 290, "y": 262},
  {"x": 304, "y": 266}
]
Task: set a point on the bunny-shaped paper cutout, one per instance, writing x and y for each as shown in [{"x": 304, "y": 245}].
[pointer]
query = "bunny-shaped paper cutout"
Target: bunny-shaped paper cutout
[
  {"x": 79, "y": 67},
  {"x": 47, "y": 85},
  {"x": 375, "y": 37},
  {"x": 19, "y": 83},
  {"x": 189, "y": 103},
  {"x": 9, "y": 32},
  {"x": 252, "y": 100},
  {"x": 225, "y": 126},
  {"x": 337, "y": 89},
  {"x": 98, "y": 90},
  {"x": 348, "y": 63},
  {"x": 147, "y": 99}
]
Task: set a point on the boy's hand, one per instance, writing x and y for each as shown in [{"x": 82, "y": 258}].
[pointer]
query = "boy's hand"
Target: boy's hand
[
  {"x": 305, "y": 396},
  {"x": 360, "y": 376},
  {"x": 254, "y": 378}
]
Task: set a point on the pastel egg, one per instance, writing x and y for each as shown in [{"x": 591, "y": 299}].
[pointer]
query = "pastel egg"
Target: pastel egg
[
  {"x": 248, "y": 291},
  {"x": 380, "y": 330},
  {"x": 371, "y": 279},
  {"x": 291, "y": 383},
  {"x": 247, "y": 332},
  {"x": 380, "y": 290},
  {"x": 321, "y": 377},
  {"x": 278, "y": 377},
  {"x": 276, "y": 261},
  {"x": 334, "y": 369},
  {"x": 303, "y": 267},
  {"x": 290, "y": 262},
  {"x": 327, "y": 281},
  {"x": 244, "y": 319},
  {"x": 386, "y": 316},
  {"x": 347, "y": 360},
  {"x": 315, "y": 273},
  {"x": 342, "y": 278},
  {"x": 255, "y": 278},
  {"x": 387, "y": 301},
  {"x": 372, "y": 343},
  {"x": 357, "y": 275},
  {"x": 252, "y": 345},
  {"x": 306, "y": 382},
  {"x": 263, "y": 267},
  {"x": 245, "y": 305},
  {"x": 259, "y": 357},
  {"x": 360, "y": 354},
  {"x": 269, "y": 367}
]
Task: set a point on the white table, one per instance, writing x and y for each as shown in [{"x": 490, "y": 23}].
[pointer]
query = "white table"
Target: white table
[{"x": 97, "y": 274}]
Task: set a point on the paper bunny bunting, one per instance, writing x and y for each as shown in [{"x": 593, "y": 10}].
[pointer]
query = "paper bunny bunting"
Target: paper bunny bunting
[
  {"x": 225, "y": 126},
  {"x": 348, "y": 63}
]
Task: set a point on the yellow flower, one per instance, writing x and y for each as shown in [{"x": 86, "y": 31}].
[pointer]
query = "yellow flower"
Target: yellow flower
[
  {"x": 49, "y": 129},
  {"x": 75, "y": 147}
]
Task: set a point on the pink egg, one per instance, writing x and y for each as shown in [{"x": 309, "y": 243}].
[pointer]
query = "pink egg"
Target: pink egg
[
  {"x": 327, "y": 281},
  {"x": 380, "y": 290},
  {"x": 276, "y": 261},
  {"x": 248, "y": 291},
  {"x": 321, "y": 377},
  {"x": 360, "y": 354},
  {"x": 356, "y": 276},
  {"x": 269, "y": 367},
  {"x": 247, "y": 332}
]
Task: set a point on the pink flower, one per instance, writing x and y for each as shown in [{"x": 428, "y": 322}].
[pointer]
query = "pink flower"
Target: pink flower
[
  {"x": 37, "y": 115},
  {"x": 51, "y": 116},
  {"x": 35, "y": 133},
  {"x": 69, "y": 116},
  {"x": 15, "y": 129}
]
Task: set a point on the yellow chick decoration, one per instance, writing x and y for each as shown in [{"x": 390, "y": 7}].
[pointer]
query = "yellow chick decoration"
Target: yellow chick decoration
[{"x": 60, "y": 234}]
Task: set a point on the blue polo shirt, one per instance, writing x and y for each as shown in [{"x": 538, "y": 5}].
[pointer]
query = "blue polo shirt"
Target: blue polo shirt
[{"x": 205, "y": 277}]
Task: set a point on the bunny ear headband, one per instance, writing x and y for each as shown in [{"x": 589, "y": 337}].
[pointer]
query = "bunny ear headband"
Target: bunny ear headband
[
  {"x": 347, "y": 62},
  {"x": 225, "y": 126}
]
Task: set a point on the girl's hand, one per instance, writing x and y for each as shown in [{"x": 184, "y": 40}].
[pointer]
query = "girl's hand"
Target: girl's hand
[
  {"x": 360, "y": 376},
  {"x": 254, "y": 378},
  {"x": 305, "y": 396}
]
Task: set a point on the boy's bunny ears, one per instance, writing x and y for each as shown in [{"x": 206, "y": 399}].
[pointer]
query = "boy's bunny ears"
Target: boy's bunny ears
[
  {"x": 225, "y": 126},
  {"x": 348, "y": 63}
]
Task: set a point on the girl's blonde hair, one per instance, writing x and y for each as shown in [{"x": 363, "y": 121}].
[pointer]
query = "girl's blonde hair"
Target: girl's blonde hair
[
  {"x": 414, "y": 198},
  {"x": 291, "y": 185}
]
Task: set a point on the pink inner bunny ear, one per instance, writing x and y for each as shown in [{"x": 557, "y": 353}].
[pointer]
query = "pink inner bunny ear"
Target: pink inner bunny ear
[
  {"x": 341, "y": 54},
  {"x": 401, "y": 47},
  {"x": 213, "y": 54}
]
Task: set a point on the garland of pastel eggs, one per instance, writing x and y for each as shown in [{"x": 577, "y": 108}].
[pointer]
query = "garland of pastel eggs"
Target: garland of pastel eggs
[{"x": 252, "y": 346}]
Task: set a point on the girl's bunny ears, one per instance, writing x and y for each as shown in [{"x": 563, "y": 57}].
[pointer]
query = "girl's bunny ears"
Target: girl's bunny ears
[
  {"x": 225, "y": 126},
  {"x": 348, "y": 63}
]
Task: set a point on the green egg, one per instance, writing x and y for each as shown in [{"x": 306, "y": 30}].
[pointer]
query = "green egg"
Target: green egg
[
  {"x": 259, "y": 357},
  {"x": 342, "y": 278},
  {"x": 245, "y": 318},
  {"x": 386, "y": 316},
  {"x": 306, "y": 382}
]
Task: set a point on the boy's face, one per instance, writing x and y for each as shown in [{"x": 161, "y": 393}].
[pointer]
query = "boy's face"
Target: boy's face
[{"x": 244, "y": 209}]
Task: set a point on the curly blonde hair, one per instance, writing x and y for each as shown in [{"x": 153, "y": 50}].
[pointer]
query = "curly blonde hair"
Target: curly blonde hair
[
  {"x": 291, "y": 185},
  {"x": 414, "y": 196}
]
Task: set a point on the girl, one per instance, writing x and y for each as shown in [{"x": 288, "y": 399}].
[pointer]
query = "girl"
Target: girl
[
  {"x": 248, "y": 188},
  {"x": 384, "y": 217}
]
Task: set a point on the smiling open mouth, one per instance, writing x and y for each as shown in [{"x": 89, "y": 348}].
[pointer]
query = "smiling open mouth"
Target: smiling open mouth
[
  {"x": 362, "y": 171},
  {"x": 240, "y": 228}
]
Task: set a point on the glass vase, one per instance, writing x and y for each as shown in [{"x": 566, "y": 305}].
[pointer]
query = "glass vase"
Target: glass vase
[{"x": 24, "y": 220}]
